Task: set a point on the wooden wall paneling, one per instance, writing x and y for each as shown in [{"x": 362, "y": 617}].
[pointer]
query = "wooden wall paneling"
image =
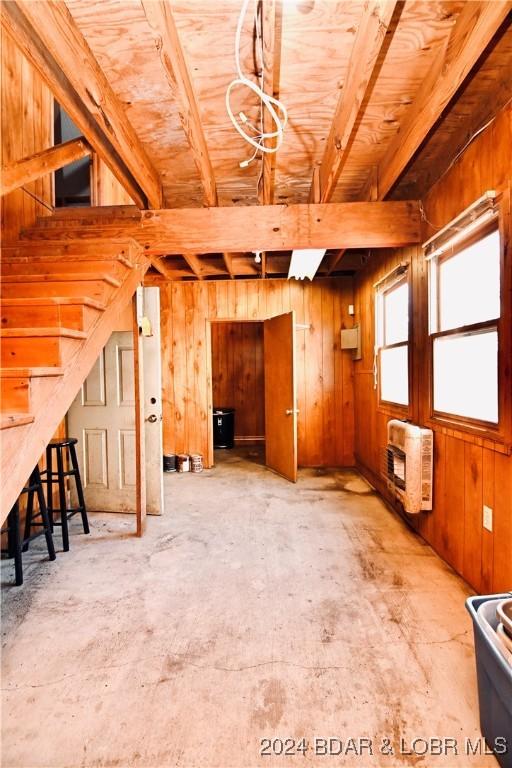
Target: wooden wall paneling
[
  {"x": 297, "y": 303},
  {"x": 472, "y": 540},
  {"x": 345, "y": 391},
  {"x": 200, "y": 362},
  {"x": 227, "y": 301},
  {"x": 328, "y": 358},
  {"x": 168, "y": 396},
  {"x": 179, "y": 362},
  {"x": 488, "y": 480},
  {"x": 314, "y": 387},
  {"x": 502, "y": 526},
  {"x": 454, "y": 499}
]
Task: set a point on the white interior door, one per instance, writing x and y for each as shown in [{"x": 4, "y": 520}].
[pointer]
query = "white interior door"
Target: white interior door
[
  {"x": 102, "y": 417},
  {"x": 151, "y": 351}
]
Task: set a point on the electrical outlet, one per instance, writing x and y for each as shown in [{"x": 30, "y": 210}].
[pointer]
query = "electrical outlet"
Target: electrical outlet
[{"x": 488, "y": 518}]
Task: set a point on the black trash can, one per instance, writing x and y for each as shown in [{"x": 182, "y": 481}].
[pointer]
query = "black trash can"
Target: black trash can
[{"x": 223, "y": 427}]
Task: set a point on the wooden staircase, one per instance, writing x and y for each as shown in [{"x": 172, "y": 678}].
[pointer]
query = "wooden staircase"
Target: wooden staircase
[{"x": 60, "y": 303}]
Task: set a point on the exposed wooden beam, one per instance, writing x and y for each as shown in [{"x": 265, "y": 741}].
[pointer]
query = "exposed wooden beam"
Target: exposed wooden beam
[
  {"x": 236, "y": 228},
  {"x": 28, "y": 169},
  {"x": 272, "y": 11},
  {"x": 371, "y": 32},
  {"x": 160, "y": 19},
  {"x": 473, "y": 30},
  {"x": 228, "y": 262},
  {"x": 194, "y": 262},
  {"x": 167, "y": 271},
  {"x": 48, "y": 36},
  {"x": 334, "y": 259}
]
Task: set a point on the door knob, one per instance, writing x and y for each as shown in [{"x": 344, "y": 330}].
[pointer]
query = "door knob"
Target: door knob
[
  {"x": 290, "y": 411},
  {"x": 152, "y": 418}
]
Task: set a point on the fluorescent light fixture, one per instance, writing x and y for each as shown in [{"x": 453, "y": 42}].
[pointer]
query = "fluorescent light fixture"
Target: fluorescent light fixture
[{"x": 304, "y": 263}]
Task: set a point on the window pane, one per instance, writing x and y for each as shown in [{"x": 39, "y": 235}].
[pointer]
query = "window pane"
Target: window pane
[
  {"x": 396, "y": 314},
  {"x": 469, "y": 284},
  {"x": 466, "y": 375},
  {"x": 394, "y": 375}
]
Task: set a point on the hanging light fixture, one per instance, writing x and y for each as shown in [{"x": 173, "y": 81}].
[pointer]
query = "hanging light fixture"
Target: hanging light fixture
[{"x": 305, "y": 263}]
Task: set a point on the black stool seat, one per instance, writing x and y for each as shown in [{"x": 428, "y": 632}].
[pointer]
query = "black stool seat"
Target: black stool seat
[
  {"x": 64, "y": 442},
  {"x": 55, "y": 449},
  {"x": 41, "y": 520}
]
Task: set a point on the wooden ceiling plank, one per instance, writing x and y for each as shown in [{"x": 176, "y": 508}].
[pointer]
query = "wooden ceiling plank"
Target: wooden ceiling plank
[
  {"x": 167, "y": 41},
  {"x": 472, "y": 32},
  {"x": 48, "y": 36},
  {"x": 20, "y": 172},
  {"x": 373, "y": 24},
  {"x": 236, "y": 228}
]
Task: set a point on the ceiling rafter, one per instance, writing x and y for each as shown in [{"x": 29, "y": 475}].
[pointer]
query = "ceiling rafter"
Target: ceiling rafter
[
  {"x": 474, "y": 29},
  {"x": 48, "y": 36},
  {"x": 194, "y": 262},
  {"x": 160, "y": 19},
  {"x": 20, "y": 172},
  {"x": 272, "y": 11},
  {"x": 371, "y": 33}
]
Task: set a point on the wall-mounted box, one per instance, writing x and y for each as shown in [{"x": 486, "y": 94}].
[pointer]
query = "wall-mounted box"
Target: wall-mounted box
[{"x": 351, "y": 339}]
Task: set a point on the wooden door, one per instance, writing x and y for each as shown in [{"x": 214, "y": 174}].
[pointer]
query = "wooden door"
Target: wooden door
[
  {"x": 102, "y": 417},
  {"x": 280, "y": 395},
  {"x": 152, "y": 361}
]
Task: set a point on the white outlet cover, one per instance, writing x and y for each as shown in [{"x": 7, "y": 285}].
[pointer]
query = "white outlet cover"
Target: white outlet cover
[{"x": 488, "y": 518}]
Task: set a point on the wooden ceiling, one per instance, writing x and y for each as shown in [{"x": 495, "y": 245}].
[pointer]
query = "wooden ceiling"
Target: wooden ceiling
[
  {"x": 315, "y": 40},
  {"x": 360, "y": 95}
]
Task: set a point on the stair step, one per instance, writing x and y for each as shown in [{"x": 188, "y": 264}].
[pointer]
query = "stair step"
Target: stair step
[
  {"x": 99, "y": 290},
  {"x": 11, "y": 333},
  {"x": 48, "y": 347},
  {"x": 59, "y": 250},
  {"x": 30, "y": 373},
  {"x": 15, "y": 420},
  {"x": 76, "y": 313},
  {"x": 56, "y": 277},
  {"x": 15, "y": 392},
  {"x": 37, "y": 301},
  {"x": 46, "y": 270}
]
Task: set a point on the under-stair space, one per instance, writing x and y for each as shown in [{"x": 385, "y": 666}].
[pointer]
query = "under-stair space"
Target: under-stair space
[{"x": 59, "y": 305}]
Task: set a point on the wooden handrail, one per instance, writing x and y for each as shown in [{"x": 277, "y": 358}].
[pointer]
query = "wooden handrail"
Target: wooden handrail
[{"x": 20, "y": 172}]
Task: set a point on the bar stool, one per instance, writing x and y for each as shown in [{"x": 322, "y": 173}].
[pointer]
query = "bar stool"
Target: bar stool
[
  {"x": 58, "y": 476},
  {"x": 16, "y": 544}
]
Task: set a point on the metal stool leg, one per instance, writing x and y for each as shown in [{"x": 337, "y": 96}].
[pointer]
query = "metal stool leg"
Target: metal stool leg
[
  {"x": 15, "y": 542},
  {"x": 62, "y": 501},
  {"x": 28, "y": 516},
  {"x": 44, "y": 515},
  {"x": 79, "y": 489},
  {"x": 49, "y": 486}
]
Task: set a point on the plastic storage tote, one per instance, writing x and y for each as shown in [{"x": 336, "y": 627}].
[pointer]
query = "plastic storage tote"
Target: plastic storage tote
[{"x": 494, "y": 675}]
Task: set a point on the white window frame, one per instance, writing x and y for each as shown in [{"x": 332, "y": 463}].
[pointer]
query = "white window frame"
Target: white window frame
[
  {"x": 393, "y": 281},
  {"x": 465, "y": 237}
]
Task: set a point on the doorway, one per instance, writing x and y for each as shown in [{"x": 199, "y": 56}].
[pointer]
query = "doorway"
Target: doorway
[
  {"x": 253, "y": 371},
  {"x": 238, "y": 379}
]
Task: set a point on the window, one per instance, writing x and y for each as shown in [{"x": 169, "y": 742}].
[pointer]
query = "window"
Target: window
[
  {"x": 464, "y": 314},
  {"x": 392, "y": 341}
]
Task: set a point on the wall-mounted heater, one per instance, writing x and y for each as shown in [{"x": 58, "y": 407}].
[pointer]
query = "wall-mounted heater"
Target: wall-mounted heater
[{"x": 408, "y": 465}]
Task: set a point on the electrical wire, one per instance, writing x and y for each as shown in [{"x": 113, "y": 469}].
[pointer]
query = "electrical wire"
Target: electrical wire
[{"x": 276, "y": 109}]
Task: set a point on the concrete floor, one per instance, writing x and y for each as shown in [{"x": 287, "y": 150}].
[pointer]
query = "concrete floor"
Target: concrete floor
[{"x": 254, "y": 609}]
